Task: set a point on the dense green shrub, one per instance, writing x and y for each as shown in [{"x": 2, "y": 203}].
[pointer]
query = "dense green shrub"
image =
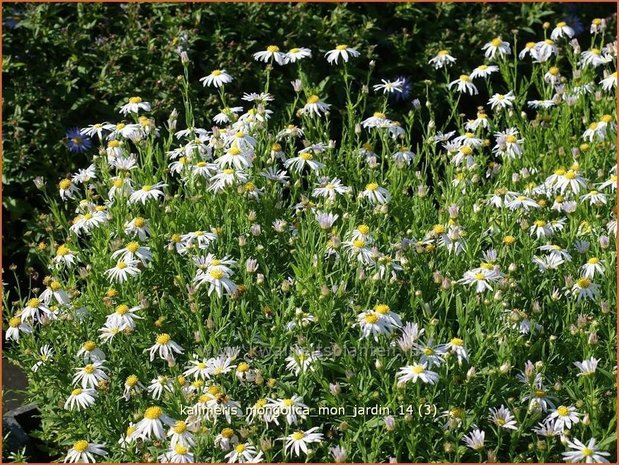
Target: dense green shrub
[{"x": 64, "y": 64}]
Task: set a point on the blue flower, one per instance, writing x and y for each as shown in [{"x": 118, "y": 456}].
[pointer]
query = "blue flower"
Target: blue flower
[
  {"x": 406, "y": 90},
  {"x": 77, "y": 142}
]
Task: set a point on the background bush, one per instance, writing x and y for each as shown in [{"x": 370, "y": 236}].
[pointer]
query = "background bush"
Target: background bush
[{"x": 67, "y": 65}]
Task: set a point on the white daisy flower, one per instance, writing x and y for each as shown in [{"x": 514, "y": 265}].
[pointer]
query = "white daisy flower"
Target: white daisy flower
[
  {"x": 298, "y": 441},
  {"x": 217, "y": 78},
  {"x": 295, "y": 54},
  {"x": 475, "y": 440},
  {"x": 151, "y": 426},
  {"x": 465, "y": 86},
  {"x": 177, "y": 454},
  {"x": 341, "y": 51},
  {"x": 314, "y": 106},
  {"x": 165, "y": 347},
  {"x": 503, "y": 418},
  {"x": 90, "y": 375},
  {"x": 84, "y": 452},
  {"x": 147, "y": 192},
  {"x": 417, "y": 371},
  {"x": 123, "y": 271},
  {"x": 80, "y": 399},
  {"x": 496, "y": 47},
  {"x": 564, "y": 417},
  {"x": 562, "y": 30},
  {"x": 589, "y": 453},
  {"x": 442, "y": 59},
  {"x": 244, "y": 453},
  {"x": 502, "y": 101},
  {"x": 134, "y": 105},
  {"x": 587, "y": 367},
  {"x": 271, "y": 53}
]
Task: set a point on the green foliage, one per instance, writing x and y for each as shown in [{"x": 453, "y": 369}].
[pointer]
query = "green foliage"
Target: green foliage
[{"x": 65, "y": 64}]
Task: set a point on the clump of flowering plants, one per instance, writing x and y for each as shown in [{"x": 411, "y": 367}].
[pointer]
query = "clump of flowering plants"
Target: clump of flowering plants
[{"x": 269, "y": 290}]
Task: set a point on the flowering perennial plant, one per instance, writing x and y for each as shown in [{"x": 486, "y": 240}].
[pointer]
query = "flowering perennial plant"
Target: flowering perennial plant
[{"x": 264, "y": 289}]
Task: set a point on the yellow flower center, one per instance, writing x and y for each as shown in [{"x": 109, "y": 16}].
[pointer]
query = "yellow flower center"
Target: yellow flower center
[
  {"x": 216, "y": 72},
  {"x": 90, "y": 346},
  {"x": 180, "y": 449},
  {"x": 147, "y": 188},
  {"x": 131, "y": 380},
  {"x": 240, "y": 448},
  {"x": 65, "y": 184},
  {"x": 509, "y": 240},
  {"x": 139, "y": 222},
  {"x": 121, "y": 265},
  {"x": 379, "y": 115},
  {"x": 479, "y": 276},
  {"x": 135, "y": 100},
  {"x": 496, "y": 42},
  {"x": 583, "y": 283},
  {"x": 122, "y": 309},
  {"x": 76, "y": 392},
  {"x": 371, "y": 186},
  {"x": 371, "y": 318},
  {"x": 180, "y": 427},
  {"x": 288, "y": 402},
  {"x": 272, "y": 49},
  {"x": 466, "y": 150},
  {"x": 561, "y": 24},
  {"x": 297, "y": 435},
  {"x": 586, "y": 452},
  {"x": 382, "y": 309},
  {"x": 33, "y": 303},
  {"x": 341, "y": 47},
  {"x": 89, "y": 369},
  {"x": 228, "y": 171},
  {"x": 216, "y": 274},
  {"x": 227, "y": 433},
  {"x": 358, "y": 243},
  {"x": 153, "y": 413},
  {"x": 62, "y": 251},
  {"x": 276, "y": 147},
  {"x": 306, "y": 156},
  {"x": 295, "y": 50},
  {"x": 563, "y": 411},
  {"x": 456, "y": 341},
  {"x": 118, "y": 183},
  {"x": 540, "y": 393},
  {"x": 418, "y": 369},
  {"x": 243, "y": 367},
  {"x": 163, "y": 339},
  {"x": 465, "y": 77},
  {"x": 313, "y": 99},
  {"x": 511, "y": 139},
  {"x": 113, "y": 144},
  {"x": 14, "y": 322},
  {"x": 80, "y": 446},
  {"x": 593, "y": 261}
]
